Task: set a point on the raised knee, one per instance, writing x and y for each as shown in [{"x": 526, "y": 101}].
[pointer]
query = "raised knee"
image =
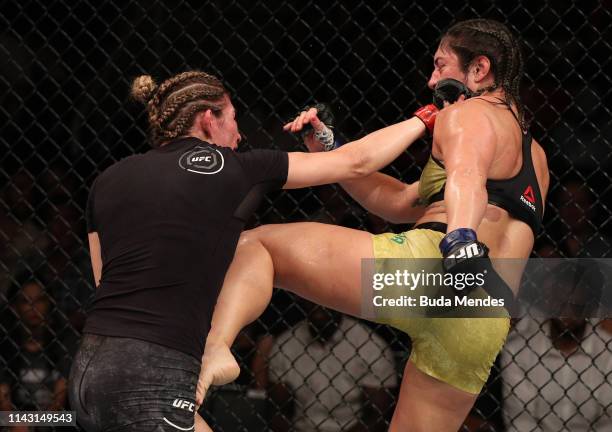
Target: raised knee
[
  {"x": 247, "y": 238},
  {"x": 255, "y": 235}
]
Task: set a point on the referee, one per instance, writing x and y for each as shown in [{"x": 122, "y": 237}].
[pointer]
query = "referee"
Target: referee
[{"x": 163, "y": 227}]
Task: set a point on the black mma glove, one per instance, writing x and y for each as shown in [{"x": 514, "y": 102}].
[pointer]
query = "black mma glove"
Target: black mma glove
[
  {"x": 463, "y": 253},
  {"x": 446, "y": 90},
  {"x": 449, "y": 90}
]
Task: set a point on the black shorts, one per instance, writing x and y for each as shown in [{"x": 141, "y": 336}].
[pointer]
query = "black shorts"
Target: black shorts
[{"x": 124, "y": 384}]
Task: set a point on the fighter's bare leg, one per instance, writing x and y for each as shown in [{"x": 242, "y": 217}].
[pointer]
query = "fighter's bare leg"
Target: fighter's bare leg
[
  {"x": 319, "y": 262},
  {"x": 246, "y": 292},
  {"x": 323, "y": 264},
  {"x": 316, "y": 261},
  {"x": 427, "y": 404}
]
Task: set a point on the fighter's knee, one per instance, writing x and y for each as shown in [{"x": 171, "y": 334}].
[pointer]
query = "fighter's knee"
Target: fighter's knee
[
  {"x": 255, "y": 235},
  {"x": 248, "y": 237}
]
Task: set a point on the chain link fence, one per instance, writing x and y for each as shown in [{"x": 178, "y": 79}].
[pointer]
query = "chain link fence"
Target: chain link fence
[{"x": 65, "y": 117}]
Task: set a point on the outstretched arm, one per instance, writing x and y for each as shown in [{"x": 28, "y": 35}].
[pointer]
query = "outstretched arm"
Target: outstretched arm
[
  {"x": 387, "y": 197},
  {"x": 355, "y": 165},
  {"x": 355, "y": 159}
]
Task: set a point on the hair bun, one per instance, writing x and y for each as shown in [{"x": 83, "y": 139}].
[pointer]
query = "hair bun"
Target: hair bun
[{"x": 143, "y": 88}]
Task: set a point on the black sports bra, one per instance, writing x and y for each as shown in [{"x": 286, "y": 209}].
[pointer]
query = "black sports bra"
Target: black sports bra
[{"x": 520, "y": 195}]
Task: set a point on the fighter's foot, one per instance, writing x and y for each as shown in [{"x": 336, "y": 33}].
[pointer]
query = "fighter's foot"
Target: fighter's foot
[{"x": 219, "y": 367}]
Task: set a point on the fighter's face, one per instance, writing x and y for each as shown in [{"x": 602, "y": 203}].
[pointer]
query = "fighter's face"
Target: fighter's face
[
  {"x": 224, "y": 130},
  {"x": 446, "y": 65}
]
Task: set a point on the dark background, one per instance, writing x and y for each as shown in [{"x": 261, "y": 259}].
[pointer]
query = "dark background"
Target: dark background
[{"x": 65, "y": 114}]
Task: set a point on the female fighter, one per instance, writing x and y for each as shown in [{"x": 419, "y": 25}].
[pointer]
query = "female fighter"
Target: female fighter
[{"x": 484, "y": 184}]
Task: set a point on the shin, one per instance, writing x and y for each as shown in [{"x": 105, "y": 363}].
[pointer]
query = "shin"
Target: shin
[{"x": 246, "y": 292}]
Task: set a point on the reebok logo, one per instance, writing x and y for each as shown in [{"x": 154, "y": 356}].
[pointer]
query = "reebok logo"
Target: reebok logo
[
  {"x": 528, "y": 198},
  {"x": 528, "y": 194},
  {"x": 183, "y": 404}
]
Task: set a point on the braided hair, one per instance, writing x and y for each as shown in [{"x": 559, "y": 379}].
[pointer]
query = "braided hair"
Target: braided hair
[
  {"x": 173, "y": 105},
  {"x": 492, "y": 39}
]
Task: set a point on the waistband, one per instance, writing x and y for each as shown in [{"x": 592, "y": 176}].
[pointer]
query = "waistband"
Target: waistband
[
  {"x": 496, "y": 287},
  {"x": 434, "y": 226}
]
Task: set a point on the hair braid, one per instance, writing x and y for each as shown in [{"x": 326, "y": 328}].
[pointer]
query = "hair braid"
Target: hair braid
[
  {"x": 176, "y": 102},
  {"x": 172, "y": 105},
  {"x": 175, "y": 80},
  {"x": 182, "y": 123}
]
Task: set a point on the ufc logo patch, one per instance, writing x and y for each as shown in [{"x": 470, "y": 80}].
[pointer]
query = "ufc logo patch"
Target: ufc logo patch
[
  {"x": 183, "y": 404},
  {"x": 202, "y": 159}
]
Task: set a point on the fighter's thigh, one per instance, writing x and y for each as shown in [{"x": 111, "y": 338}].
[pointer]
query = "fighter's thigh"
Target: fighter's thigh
[
  {"x": 428, "y": 404},
  {"x": 317, "y": 261}
]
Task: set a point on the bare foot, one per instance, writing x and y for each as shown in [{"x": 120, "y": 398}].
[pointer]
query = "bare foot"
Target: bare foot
[{"x": 219, "y": 367}]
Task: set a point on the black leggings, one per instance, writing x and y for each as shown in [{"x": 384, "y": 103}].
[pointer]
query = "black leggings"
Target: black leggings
[{"x": 121, "y": 384}]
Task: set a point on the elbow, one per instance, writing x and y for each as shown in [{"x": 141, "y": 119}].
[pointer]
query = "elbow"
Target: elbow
[
  {"x": 356, "y": 163},
  {"x": 360, "y": 165},
  {"x": 361, "y": 170}
]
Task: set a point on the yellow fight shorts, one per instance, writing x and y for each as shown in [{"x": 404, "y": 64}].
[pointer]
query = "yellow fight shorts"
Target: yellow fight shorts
[{"x": 457, "y": 351}]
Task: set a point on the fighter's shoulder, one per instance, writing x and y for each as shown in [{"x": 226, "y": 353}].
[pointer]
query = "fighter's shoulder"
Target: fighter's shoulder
[
  {"x": 468, "y": 112},
  {"x": 468, "y": 108}
]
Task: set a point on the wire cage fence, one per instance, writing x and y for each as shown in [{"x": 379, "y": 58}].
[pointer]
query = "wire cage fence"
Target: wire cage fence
[{"x": 66, "y": 116}]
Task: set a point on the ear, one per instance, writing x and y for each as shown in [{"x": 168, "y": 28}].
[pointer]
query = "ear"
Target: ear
[
  {"x": 481, "y": 66},
  {"x": 207, "y": 117},
  {"x": 203, "y": 121}
]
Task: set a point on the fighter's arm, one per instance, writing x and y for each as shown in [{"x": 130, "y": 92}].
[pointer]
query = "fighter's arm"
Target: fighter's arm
[
  {"x": 355, "y": 159},
  {"x": 466, "y": 138},
  {"x": 543, "y": 175},
  {"x": 96, "y": 256},
  {"x": 380, "y": 194},
  {"x": 387, "y": 197}
]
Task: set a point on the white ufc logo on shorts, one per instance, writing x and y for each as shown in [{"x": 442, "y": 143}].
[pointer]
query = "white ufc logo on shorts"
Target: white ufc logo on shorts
[{"x": 183, "y": 404}]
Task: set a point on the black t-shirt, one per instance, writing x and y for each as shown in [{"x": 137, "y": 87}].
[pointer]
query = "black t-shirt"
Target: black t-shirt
[{"x": 169, "y": 221}]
